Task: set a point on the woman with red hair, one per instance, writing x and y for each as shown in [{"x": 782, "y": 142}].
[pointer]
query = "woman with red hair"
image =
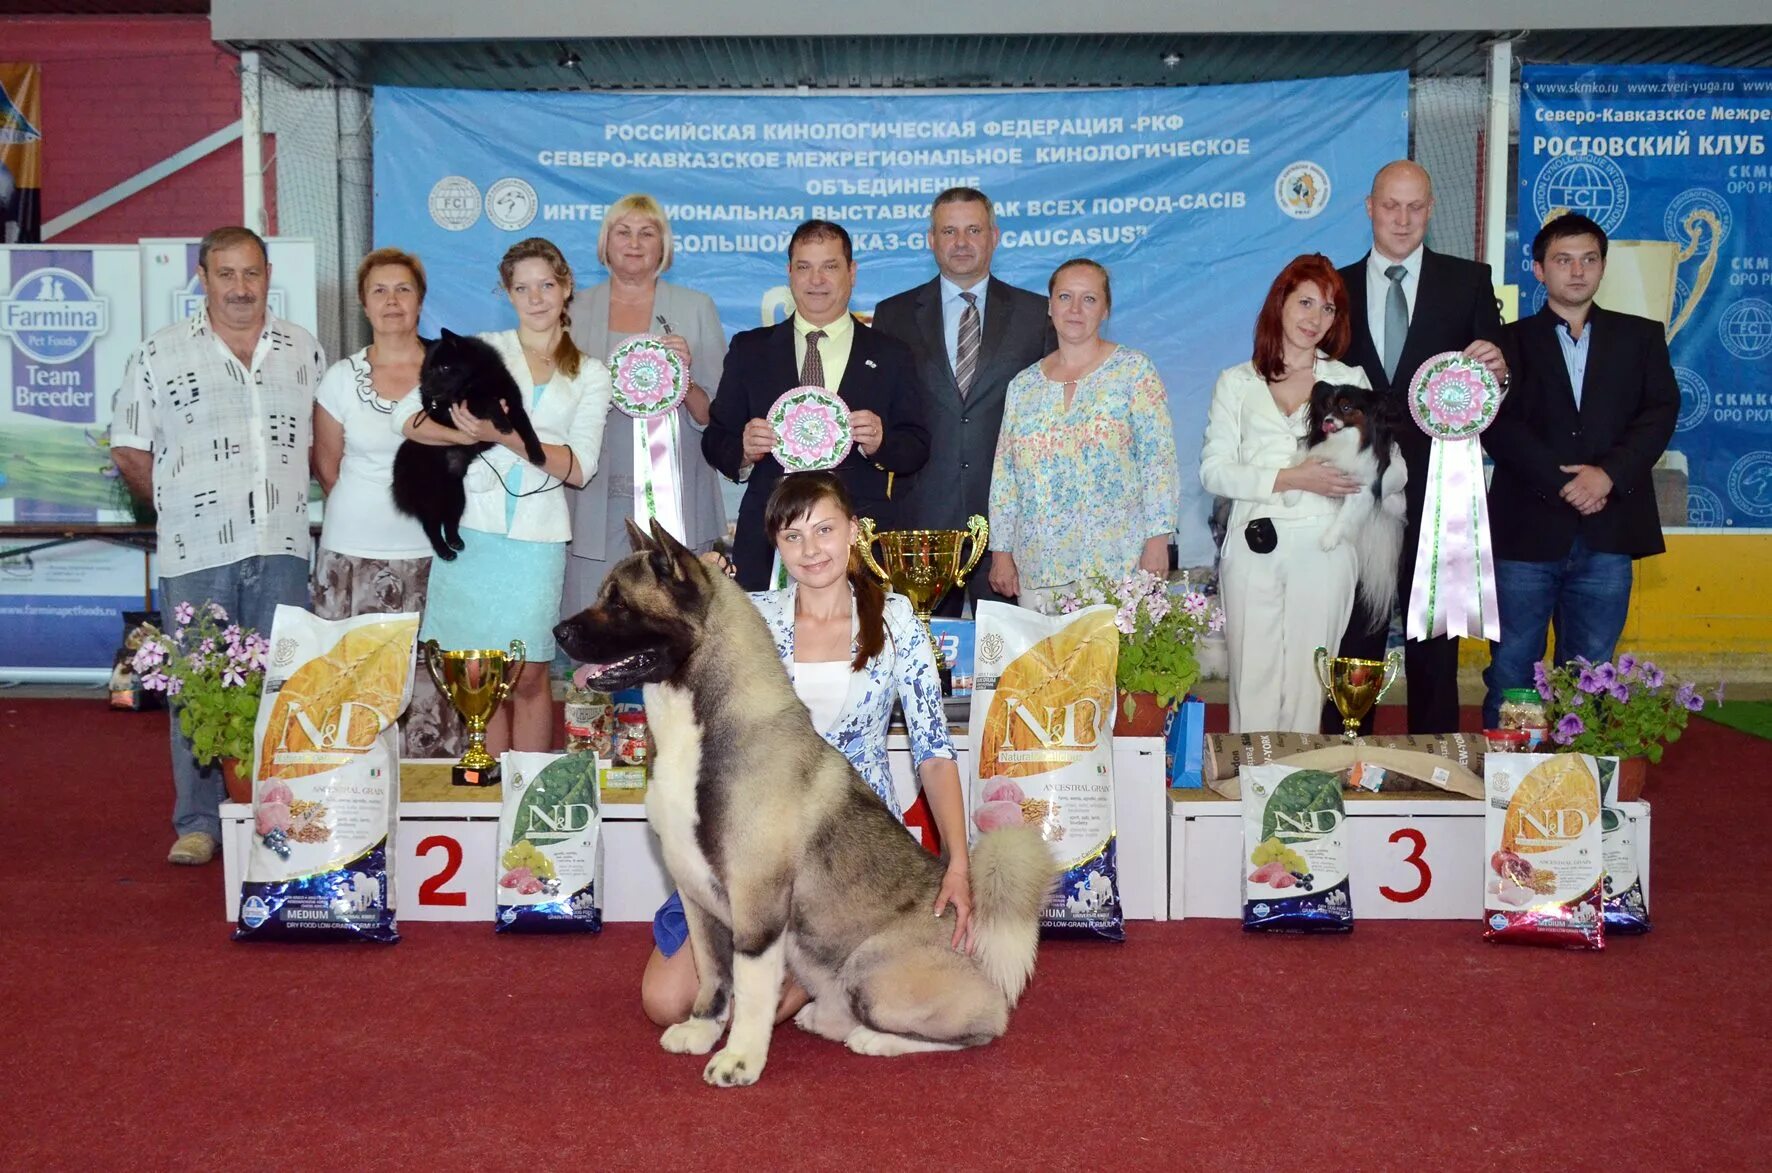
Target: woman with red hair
[{"x": 1284, "y": 596}]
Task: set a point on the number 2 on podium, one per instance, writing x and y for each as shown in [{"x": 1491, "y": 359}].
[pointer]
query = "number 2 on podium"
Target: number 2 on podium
[
  {"x": 430, "y": 892},
  {"x": 1418, "y": 845}
]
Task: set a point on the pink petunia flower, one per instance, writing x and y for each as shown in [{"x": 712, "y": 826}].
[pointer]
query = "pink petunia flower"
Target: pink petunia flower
[{"x": 183, "y": 613}]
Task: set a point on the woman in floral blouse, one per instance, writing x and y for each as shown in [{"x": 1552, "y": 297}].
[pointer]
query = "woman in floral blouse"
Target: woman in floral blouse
[{"x": 1085, "y": 480}]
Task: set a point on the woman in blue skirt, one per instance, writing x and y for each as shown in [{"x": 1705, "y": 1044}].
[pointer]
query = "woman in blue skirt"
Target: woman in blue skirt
[{"x": 505, "y": 584}]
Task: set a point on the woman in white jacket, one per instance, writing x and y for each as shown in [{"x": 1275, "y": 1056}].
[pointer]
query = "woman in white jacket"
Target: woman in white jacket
[
  {"x": 506, "y": 583},
  {"x": 1283, "y": 595}
]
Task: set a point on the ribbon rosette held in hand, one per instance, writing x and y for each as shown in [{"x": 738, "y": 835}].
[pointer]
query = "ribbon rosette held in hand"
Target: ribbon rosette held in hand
[
  {"x": 812, "y": 427},
  {"x": 649, "y": 377},
  {"x": 1453, "y": 398}
]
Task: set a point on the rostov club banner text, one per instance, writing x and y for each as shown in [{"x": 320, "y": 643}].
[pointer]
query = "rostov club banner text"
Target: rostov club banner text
[
  {"x": 1193, "y": 198},
  {"x": 1673, "y": 163}
]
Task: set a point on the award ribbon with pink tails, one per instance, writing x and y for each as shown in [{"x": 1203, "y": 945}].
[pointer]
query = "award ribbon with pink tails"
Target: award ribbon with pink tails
[
  {"x": 650, "y": 380},
  {"x": 1454, "y": 398}
]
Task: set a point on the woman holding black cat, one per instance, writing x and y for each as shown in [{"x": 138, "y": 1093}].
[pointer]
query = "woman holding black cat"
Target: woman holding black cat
[
  {"x": 1284, "y": 596},
  {"x": 505, "y": 584}
]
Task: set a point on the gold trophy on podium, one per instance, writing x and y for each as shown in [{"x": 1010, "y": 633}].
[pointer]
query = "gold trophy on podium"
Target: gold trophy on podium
[
  {"x": 1354, "y": 686},
  {"x": 475, "y": 682},
  {"x": 923, "y": 565}
]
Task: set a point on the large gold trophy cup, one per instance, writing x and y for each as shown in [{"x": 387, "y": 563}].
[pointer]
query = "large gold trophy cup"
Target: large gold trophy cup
[
  {"x": 1354, "y": 686},
  {"x": 475, "y": 682},
  {"x": 923, "y": 565}
]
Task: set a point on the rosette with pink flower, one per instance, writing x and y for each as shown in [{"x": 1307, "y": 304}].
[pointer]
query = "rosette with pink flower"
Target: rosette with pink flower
[
  {"x": 1454, "y": 398},
  {"x": 812, "y": 429},
  {"x": 649, "y": 377}
]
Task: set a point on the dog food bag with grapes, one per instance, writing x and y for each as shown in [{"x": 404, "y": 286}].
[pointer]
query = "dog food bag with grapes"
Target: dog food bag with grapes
[
  {"x": 1042, "y": 729},
  {"x": 1546, "y": 864},
  {"x": 326, "y": 779},
  {"x": 550, "y": 845},
  {"x": 1625, "y": 908},
  {"x": 1295, "y": 852}
]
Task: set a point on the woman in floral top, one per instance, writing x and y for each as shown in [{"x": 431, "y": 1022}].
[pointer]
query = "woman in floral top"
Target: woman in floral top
[{"x": 1085, "y": 480}]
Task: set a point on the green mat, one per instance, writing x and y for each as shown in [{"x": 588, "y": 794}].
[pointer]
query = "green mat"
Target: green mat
[{"x": 1753, "y": 717}]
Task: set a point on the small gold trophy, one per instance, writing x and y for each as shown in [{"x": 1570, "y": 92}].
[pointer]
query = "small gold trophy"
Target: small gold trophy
[
  {"x": 1356, "y": 685},
  {"x": 922, "y": 565},
  {"x": 475, "y": 682}
]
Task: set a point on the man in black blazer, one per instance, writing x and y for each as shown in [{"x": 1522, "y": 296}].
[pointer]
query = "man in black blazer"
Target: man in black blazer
[
  {"x": 1407, "y": 303},
  {"x": 820, "y": 345},
  {"x": 1592, "y": 408},
  {"x": 963, "y": 324}
]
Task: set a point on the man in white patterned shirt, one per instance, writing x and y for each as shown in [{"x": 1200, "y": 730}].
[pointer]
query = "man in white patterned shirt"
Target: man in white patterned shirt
[{"x": 212, "y": 424}]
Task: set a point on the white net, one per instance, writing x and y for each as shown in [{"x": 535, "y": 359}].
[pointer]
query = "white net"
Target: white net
[{"x": 1449, "y": 116}]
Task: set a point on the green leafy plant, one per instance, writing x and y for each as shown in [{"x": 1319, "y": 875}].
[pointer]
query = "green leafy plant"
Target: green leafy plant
[
  {"x": 1628, "y": 709},
  {"x": 1160, "y": 625},
  {"x": 212, "y": 671}
]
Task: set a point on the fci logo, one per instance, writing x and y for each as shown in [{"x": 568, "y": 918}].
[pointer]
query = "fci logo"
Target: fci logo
[{"x": 53, "y": 316}]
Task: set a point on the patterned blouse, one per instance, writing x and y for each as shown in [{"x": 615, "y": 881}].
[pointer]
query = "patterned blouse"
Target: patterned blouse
[
  {"x": 1078, "y": 491},
  {"x": 903, "y": 673}
]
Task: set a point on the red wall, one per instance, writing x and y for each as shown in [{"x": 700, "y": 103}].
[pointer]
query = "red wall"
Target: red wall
[{"x": 120, "y": 94}]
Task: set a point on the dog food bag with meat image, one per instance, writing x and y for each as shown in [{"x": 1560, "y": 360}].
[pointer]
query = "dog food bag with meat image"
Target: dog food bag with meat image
[
  {"x": 550, "y": 845},
  {"x": 1625, "y": 908},
  {"x": 326, "y": 779},
  {"x": 1042, "y": 734},
  {"x": 1295, "y": 852},
  {"x": 1546, "y": 863}
]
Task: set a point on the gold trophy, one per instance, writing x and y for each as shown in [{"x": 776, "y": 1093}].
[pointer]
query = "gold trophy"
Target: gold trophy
[
  {"x": 1356, "y": 685},
  {"x": 922, "y": 565},
  {"x": 475, "y": 682}
]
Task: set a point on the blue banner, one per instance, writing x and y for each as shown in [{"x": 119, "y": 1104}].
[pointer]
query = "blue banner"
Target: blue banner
[
  {"x": 1193, "y": 198},
  {"x": 1673, "y": 162}
]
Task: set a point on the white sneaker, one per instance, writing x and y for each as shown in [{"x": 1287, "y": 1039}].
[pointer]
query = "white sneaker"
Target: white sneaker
[{"x": 193, "y": 849}]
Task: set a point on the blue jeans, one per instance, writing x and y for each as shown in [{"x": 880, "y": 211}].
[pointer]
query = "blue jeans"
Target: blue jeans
[
  {"x": 1584, "y": 597},
  {"x": 249, "y": 591}
]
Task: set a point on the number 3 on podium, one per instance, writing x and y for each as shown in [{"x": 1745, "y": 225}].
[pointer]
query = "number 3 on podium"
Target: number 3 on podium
[{"x": 1418, "y": 845}]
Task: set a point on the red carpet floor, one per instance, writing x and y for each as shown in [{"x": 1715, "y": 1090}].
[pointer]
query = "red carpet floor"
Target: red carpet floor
[{"x": 136, "y": 1035}]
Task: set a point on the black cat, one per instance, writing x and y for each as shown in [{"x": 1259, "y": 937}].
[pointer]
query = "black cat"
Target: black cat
[{"x": 428, "y": 477}]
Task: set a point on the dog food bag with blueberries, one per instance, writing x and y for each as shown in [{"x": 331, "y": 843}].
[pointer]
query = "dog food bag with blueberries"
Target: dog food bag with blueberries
[
  {"x": 326, "y": 779},
  {"x": 1042, "y": 728},
  {"x": 1625, "y": 908},
  {"x": 1546, "y": 858},
  {"x": 550, "y": 845},
  {"x": 1295, "y": 852}
]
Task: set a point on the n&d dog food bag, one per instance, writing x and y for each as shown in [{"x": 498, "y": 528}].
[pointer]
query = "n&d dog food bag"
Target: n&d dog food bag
[
  {"x": 1546, "y": 864},
  {"x": 326, "y": 779},
  {"x": 1042, "y": 729},
  {"x": 1295, "y": 852},
  {"x": 550, "y": 845},
  {"x": 1625, "y": 908}
]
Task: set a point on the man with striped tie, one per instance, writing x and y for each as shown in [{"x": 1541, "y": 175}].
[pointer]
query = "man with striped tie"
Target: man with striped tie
[{"x": 971, "y": 334}]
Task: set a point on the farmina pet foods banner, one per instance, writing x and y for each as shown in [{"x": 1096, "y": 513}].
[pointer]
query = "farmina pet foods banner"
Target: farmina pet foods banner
[
  {"x": 1673, "y": 162},
  {"x": 1193, "y": 198}
]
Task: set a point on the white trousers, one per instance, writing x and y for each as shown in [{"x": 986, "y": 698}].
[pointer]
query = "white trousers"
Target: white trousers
[{"x": 1279, "y": 608}]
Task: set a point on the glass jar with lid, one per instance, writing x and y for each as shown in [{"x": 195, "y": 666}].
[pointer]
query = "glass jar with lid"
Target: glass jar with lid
[{"x": 1523, "y": 709}]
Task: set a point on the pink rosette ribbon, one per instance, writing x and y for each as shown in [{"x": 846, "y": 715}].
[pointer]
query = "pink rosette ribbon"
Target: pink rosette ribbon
[
  {"x": 812, "y": 429},
  {"x": 1453, "y": 399},
  {"x": 649, "y": 381}
]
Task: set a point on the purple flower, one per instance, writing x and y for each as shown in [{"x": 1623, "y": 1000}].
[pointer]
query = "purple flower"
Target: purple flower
[
  {"x": 1216, "y": 623},
  {"x": 174, "y": 686},
  {"x": 183, "y": 613},
  {"x": 1589, "y": 682},
  {"x": 231, "y": 633},
  {"x": 1568, "y": 729},
  {"x": 1194, "y": 605},
  {"x": 1156, "y": 607},
  {"x": 1687, "y": 698},
  {"x": 1652, "y": 676},
  {"x": 1606, "y": 674},
  {"x": 1627, "y": 664},
  {"x": 1541, "y": 680},
  {"x": 1620, "y": 692},
  {"x": 232, "y": 678},
  {"x": 216, "y": 612},
  {"x": 1068, "y": 603},
  {"x": 206, "y": 646},
  {"x": 155, "y": 680},
  {"x": 1125, "y": 620},
  {"x": 150, "y": 653}
]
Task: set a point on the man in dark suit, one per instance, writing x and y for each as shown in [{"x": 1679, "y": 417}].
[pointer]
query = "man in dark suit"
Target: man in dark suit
[
  {"x": 1407, "y": 303},
  {"x": 823, "y": 346},
  {"x": 1592, "y": 407},
  {"x": 970, "y": 334}
]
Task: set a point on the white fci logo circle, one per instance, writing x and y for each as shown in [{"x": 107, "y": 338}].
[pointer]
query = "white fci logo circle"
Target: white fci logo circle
[
  {"x": 1746, "y": 328},
  {"x": 511, "y": 204},
  {"x": 1302, "y": 189},
  {"x": 1694, "y": 398},
  {"x": 454, "y": 203},
  {"x": 53, "y": 315},
  {"x": 1590, "y": 184},
  {"x": 1750, "y": 484}
]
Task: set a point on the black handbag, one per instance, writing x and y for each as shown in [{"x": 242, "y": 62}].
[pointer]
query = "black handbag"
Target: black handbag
[{"x": 1261, "y": 535}]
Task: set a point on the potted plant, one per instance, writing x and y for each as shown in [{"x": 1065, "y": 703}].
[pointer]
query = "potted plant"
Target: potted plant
[
  {"x": 1627, "y": 708},
  {"x": 1159, "y": 624},
  {"x": 212, "y": 672}
]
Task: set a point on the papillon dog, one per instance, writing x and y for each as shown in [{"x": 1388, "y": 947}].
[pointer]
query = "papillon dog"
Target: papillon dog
[{"x": 1354, "y": 429}]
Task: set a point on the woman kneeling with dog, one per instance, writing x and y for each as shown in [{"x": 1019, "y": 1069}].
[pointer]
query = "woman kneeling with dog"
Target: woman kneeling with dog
[
  {"x": 852, "y": 651},
  {"x": 1284, "y": 595}
]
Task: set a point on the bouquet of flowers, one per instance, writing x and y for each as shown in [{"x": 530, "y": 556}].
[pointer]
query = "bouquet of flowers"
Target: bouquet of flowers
[
  {"x": 213, "y": 671},
  {"x": 1628, "y": 708},
  {"x": 1159, "y": 625}
]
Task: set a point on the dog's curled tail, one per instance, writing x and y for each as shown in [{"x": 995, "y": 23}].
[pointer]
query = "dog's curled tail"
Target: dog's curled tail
[
  {"x": 1013, "y": 875},
  {"x": 1377, "y": 546}
]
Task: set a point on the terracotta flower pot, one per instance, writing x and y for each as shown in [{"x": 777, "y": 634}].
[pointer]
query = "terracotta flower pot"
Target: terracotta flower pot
[
  {"x": 239, "y": 784},
  {"x": 1146, "y": 719},
  {"x": 1633, "y": 773}
]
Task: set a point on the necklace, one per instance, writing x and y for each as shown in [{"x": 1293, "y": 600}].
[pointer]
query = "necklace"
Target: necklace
[{"x": 546, "y": 359}]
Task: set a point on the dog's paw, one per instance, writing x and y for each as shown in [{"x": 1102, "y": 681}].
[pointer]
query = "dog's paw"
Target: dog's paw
[
  {"x": 1329, "y": 541},
  {"x": 865, "y": 1040},
  {"x": 733, "y": 1068},
  {"x": 823, "y": 1023},
  {"x": 695, "y": 1037}
]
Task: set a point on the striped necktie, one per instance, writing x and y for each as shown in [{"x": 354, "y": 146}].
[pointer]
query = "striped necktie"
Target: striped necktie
[
  {"x": 966, "y": 352},
  {"x": 812, "y": 370}
]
